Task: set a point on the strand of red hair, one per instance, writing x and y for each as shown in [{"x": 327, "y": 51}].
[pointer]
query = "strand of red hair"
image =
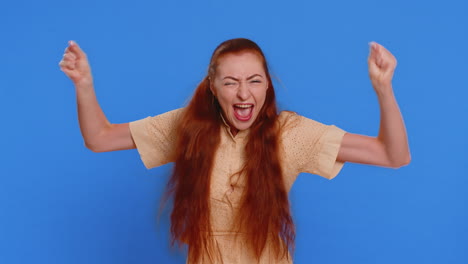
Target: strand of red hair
[{"x": 264, "y": 216}]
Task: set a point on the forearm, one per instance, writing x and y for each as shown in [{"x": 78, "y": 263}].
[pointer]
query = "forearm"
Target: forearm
[
  {"x": 392, "y": 133},
  {"x": 98, "y": 134},
  {"x": 390, "y": 147},
  {"x": 93, "y": 122}
]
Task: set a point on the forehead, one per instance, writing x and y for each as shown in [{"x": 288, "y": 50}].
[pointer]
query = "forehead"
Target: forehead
[{"x": 240, "y": 64}]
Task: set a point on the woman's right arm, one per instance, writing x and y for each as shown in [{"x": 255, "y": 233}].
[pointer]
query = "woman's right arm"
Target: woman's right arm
[{"x": 98, "y": 133}]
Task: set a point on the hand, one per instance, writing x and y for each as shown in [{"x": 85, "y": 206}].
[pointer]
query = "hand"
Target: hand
[
  {"x": 75, "y": 64},
  {"x": 382, "y": 65}
]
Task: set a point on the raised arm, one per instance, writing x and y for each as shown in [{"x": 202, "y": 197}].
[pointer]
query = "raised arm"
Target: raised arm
[
  {"x": 390, "y": 148},
  {"x": 99, "y": 135}
]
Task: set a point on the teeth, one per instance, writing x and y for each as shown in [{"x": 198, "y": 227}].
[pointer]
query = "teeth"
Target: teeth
[{"x": 243, "y": 106}]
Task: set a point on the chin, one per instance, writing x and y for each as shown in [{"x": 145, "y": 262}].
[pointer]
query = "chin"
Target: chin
[{"x": 243, "y": 125}]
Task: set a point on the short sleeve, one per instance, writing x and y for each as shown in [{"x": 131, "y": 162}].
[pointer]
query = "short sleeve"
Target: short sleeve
[
  {"x": 311, "y": 146},
  {"x": 155, "y": 138}
]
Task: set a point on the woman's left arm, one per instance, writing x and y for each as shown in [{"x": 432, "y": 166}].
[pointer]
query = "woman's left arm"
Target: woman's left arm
[{"x": 390, "y": 148}]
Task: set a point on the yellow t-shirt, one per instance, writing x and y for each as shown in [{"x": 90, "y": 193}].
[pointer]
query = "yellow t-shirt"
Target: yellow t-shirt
[{"x": 305, "y": 146}]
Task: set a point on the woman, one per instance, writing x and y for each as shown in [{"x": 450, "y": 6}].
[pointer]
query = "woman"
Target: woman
[{"x": 235, "y": 156}]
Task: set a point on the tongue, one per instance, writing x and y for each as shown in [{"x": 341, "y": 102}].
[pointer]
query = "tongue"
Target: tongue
[{"x": 243, "y": 112}]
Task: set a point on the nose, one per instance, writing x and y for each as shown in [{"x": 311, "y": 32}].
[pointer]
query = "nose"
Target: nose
[{"x": 243, "y": 92}]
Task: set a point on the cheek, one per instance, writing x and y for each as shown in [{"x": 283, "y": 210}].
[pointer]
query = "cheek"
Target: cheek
[
  {"x": 225, "y": 100},
  {"x": 261, "y": 95}
]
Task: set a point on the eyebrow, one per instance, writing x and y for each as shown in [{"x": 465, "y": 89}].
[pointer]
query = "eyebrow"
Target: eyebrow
[{"x": 249, "y": 78}]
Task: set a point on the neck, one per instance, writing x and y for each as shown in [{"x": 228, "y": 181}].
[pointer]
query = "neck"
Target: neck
[{"x": 234, "y": 131}]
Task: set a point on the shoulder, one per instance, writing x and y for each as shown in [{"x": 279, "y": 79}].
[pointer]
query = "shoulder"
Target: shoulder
[
  {"x": 176, "y": 113},
  {"x": 296, "y": 129},
  {"x": 289, "y": 120},
  {"x": 168, "y": 118},
  {"x": 158, "y": 124}
]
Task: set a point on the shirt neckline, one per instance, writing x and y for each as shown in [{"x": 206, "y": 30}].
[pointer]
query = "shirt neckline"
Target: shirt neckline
[{"x": 241, "y": 134}]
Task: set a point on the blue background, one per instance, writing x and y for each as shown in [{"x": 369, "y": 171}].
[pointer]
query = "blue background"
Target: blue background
[{"x": 61, "y": 203}]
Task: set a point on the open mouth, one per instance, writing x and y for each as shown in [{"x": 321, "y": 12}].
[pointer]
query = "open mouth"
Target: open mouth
[{"x": 243, "y": 112}]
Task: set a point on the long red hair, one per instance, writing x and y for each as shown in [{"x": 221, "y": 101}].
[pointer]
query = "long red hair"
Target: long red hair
[{"x": 264, "y": 214}]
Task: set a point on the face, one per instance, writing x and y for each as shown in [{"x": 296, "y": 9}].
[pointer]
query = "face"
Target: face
[{"x": 240, "y": 85}]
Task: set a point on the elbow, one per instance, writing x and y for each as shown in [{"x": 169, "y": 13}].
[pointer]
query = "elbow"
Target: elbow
[
  {"x": 94, "y": 147},
  {"x": 97, "y": 142},
  {"x": 91, "y": 147},
  {"x": 401, "y": 162}
]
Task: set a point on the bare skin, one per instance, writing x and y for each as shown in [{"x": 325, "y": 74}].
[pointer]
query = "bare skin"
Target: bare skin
[
  {"x": 240, "y": 80},
  {"x": 98, "y": 133},
  {"x": 390, "y": 148}
]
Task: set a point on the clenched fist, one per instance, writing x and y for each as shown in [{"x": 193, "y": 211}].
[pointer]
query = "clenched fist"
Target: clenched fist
[
  {"x": 75, "y": 65},
  {"x": 382, "y": 65}
]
